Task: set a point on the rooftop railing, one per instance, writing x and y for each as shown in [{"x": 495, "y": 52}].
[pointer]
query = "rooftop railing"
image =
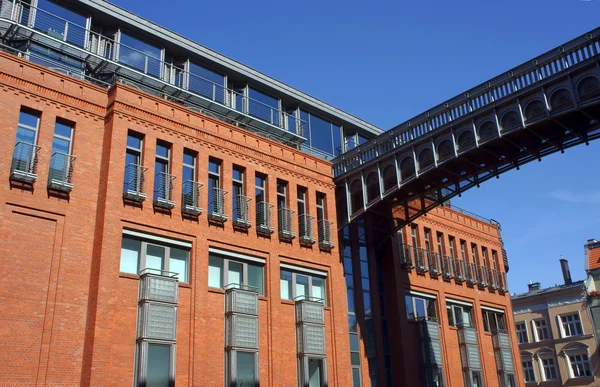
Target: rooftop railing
[{"x": 506, "y": 85}]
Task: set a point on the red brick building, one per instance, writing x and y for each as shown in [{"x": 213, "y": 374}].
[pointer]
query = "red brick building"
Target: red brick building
[{"x": 168, "y": 217}]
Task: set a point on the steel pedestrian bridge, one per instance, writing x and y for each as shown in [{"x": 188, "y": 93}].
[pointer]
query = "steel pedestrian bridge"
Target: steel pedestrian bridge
[{"x": 541, "y": 107}]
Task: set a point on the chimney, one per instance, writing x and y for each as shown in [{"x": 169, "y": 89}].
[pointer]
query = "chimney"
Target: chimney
[
  {"x": 533, "y": 286},
  {"x": 564, "y": 265}
]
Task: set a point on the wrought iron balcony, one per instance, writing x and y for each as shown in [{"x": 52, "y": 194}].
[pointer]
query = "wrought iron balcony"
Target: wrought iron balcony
[
  {"x": 286, "y": 225},
  {"x": 447, "y": 267},
  {"x": 24, "y": 162},
  {"x": 493, "y": 279},
  {"x": 460, "y": 270},
  {"x": 305, "y": 229},
  {"x": 133, "y": 183},
  {"x": 482, "y": 276},
  {"x": 435, "y": 264},
  {"x": 264, "y": 224},
  {"x": 99, "y": 56},
  {"x": 471, "y": 273},
  {"x": 325, "y": 242},
  {"x": 407, "y": 256},
  {"x": 190, "y": 198},
  {"x": 163, "y": 190},
  {"x": 421, "y": 260},
  {"x": 61, "y": 170},
  {"x": 216, "y": 205},
  {"x": 241, "y": 211}
]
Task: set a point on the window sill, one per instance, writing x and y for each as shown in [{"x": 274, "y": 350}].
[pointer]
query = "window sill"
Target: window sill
[
  {"x": 288, "y": 302},
  {"x": 216, "y": 290},
  {"x": 137, "y": 277}
]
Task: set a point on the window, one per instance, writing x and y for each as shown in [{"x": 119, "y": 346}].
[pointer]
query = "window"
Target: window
[
  {"x": 413, "y": 233},
  {"x": 463, "y": 252},
  {"x": 189, "y": 166},
  {"x": 240, "y": 201},
  {"x": 263, "y": 106},
  {"x": 528, "y": 371},
  {"x": 418, "y": 307},
  {"x": 284, "y": 218},
  {"x": 474, "y": 253},
  {"x": 139, "y": 252},
  {"x": 320, "y": 208},
  {"x": 484, "y": 253},
  {"x": 60, "y": 162},
  {"x": 207, "y": 83},
  {"x": 571, "y": 325},
  {"x": 495, "y": 263},
  {"x": 428, "y": 239},
  {"x": 304, "y": 221},
  {"x": 155, "y": 363},
  {"x": 452, "y": 247},
  {"x": 139, "y": 55},
  {"x": 134, "y": 149},
  {"x": 541, "y": 330},
  {"x": 580, "y": 366},
  {"x": 522, "y": 332},
  {"x": 25, "y": 143},
  {"x": 549, "y": 368},
  {"x": 260, "y": 188},
  {"x": 162, "y": 168},
  {"x": 300, "y": 283},
  {"x": 242, "y": 368},
  {"x": 459, "y": 315},
  {"x": 493, "y": 321},
  {"x": 216, "y": 196},
  {"x": 440, "y": 243},
  {"x": 224, "y": 270}
]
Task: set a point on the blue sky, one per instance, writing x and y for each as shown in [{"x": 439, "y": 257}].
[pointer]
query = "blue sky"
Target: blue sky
[{"x": 386, "y": 61}]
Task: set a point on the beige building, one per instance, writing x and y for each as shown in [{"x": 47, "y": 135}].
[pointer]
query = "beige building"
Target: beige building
[{"x": 556, "y": 336}]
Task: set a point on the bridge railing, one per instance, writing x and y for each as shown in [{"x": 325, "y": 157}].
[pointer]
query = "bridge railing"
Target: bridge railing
[{"x": 530, "y": 73}]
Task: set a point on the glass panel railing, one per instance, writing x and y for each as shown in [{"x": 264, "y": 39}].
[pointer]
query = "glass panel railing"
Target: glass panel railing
[
  {"x": 190, "y": 197},
  {"x": 61, "y": 172}
]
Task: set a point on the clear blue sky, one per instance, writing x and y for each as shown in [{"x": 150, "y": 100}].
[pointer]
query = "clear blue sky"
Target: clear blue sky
[{"x": 386, "y": 61}]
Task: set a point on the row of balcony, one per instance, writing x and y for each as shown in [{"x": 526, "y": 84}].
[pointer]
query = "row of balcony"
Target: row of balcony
[
  {"x": 241, "y": 217},
  {"x": 425, "y": 261},
  {"x": 24, "y": 162}
]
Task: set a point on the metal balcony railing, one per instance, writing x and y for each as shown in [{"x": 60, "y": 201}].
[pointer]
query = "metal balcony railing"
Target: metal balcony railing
[
  {"x": 264, "y": 223},
  {"x": 61, "y": 170},
  {"x": 503, "y": 285},
  {"x": 325, "y": 241},
  {"x": 435, "y": 264},
  {"x": 305, "y": 229},
  {"x": 493, "y": 279},
  {"x": 286, "y": 225},
  {"x": 241, "y": 211},
  {"x": 471, "y": 273},
  {"x": 460, "y": 270},
  {"x": 407, "y": 256},
  {"x": 24, "y": 162},
  {"x": 421, "y": 260},
  {"x": 482, "y": 276},
  {"x": 216, "y": 205},
  {"x": 102, "y": 54},
  {"x": 133, "y": 183},
  {"x": 163, "y": 190},
  {"x": 190, "y": 198},
  {"x": 447, "y": 267}
]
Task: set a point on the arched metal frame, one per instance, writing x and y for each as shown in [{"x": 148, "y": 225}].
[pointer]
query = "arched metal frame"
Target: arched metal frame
[
  {"x": 588, "y": 87},
  {"x": 561, "y": 98}
]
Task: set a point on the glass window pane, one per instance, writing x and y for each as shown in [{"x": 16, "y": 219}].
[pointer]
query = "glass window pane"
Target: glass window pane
[
  {"x": 458, "y": 314},
  {"x": 350, "y": 296},
  {"x": 356, "y": 377},
  {"x": 354, "y": 342},
  {"x": 245, "y": 369},
  {"x": 235, "y": 273},
  {"x": 25, "y": 135},
  {"x": 285, "y": 284},
  {"x": 60, "y": 145},
  {"x": 62, "y": 130},
  {"x": 28, "y": 119},
  {"x": 155, "y": 257},
  {"x": 301, "y": 285},
  {"x": 420, "y": 307},
  {"x": 352, "y": 323},
  {"x": 320, "y": 134},
  {"x": 410, "y": 311},
  {"x": 355, "y": 359},
  {"x": 159, "y": 362},
  {"x": 215, "y": 272},
  {"x": 206, "y": 82},
  {"x": 134, "y": 142},
  {"x": 178, "y": 263},
  {"x": 431, "y": 308},
  {"x": 140, "y": 55},
  {"x": 318, "y": 288},
  {"x": 314, "y": 373},
  {"x": 367, "y": 303},
  {"x": 255, "y": 277},
  {"x": 130, "y": 255}
]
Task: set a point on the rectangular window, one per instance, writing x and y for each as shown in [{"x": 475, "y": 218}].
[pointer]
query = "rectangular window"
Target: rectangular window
[
  {"x": 224, "y": 270},
  {"x": 155, "y": 364},
  {"x": 61, "y": 160},
  {"x": 61, "y": 22},
  {"x": 133, "y": 153},
  {"x": 301, "y": 284},
  {"x": 495, "y": 263},
  {"x": 418, "y": 308},
  {"x": 474, "y": 254},
  {"x": 321, "y": 215},
  {"x": 238, "y": 195},
  {"x": 140, "y": 55},
  {"x": 25, "y": 150},
  {"x": 549, "y": 368},
  {"x": 284, "y": 214},
  {"x": 139, "y": 253},
  {"x": 27, "y": 130},
  {"x": 493, "y": 321},
  {"x": 571, "y": 325},
  {"x": 263, "y": 106},
  {"x": 263, "y": 209},
  {"x": 463, "y": 248},
  {"x": 321, "y": 136},
  {"x": 428, "y": 239},
  {"x": 440, "y": 243},
  {"x": 459, "y": 315},
  {"x": 207, "y": 83},
  {"x": 484, "y": 253},
  {"x": 580, "y": 366},
  {"x": 541, "y": 330},
  {"x": 528, "y": 371},
  {"x": 189, "y": 166},
  {"x": 414, "y": 235},
  {"x": 522, "y": 332},
  {"x": 162, "y": 170},
  {"x": 216, "y": 196},
  {"x": 452, "y": 245},
  {"x": 242, "y": 368}
]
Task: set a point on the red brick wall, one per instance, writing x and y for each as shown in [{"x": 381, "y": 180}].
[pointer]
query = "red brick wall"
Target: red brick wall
[
  {"x": 87, "y": 322},
  {"x": 594, "y": 258}
]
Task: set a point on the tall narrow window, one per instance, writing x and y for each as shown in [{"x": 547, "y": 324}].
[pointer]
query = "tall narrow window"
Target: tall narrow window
[
  {"x": 440, "y": 243},
  {"x": 428, "y": 239},
  {"x": 25, "y": 151},
  {"x": 528, "y": 371},
  {"x": 238, "y": 194},
  {"x": 463, "y": 249},
  {"x": 134, "y": 171},
  {"x": 284, "y": 214},
  {"x": 495, "y": 263},
  {"x": 413, "y": 233},
  {"x": 484, "y": 254},
  {"x": 323, "y": 225},
  {"x": 189, "y": 165},
  {"x": 216, "y": 196},
  {"x": 190, "y": 189},
  {"x": 61, "y": 159},
  {"x": 452, "y": 243},
  {"x": 162, "y": 176},
  {"x": 304, "y": 220},
  {"x": 474, "y": 254},
  {"x": 263, "y": 208},
  {"x": 522, "y": 332}
]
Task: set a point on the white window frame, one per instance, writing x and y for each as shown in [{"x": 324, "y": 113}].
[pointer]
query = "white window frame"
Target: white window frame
[
  {"x": 561, "y": 328},
  {"x": 422, "y": 296},
  {"x": 535, "y": 328},
  {"x": 570, "y": 365},
  {"x": 230, "y": 256},
  {"x": 310, "y": 273},
  {"x": 542, "y": 367},
  {"x": 524, "y": 323},
  {"x": 532, "y": 369}
]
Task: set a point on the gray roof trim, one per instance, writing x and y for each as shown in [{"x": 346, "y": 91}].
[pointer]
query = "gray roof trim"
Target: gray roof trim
[{"x": 152, "y": 28}]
